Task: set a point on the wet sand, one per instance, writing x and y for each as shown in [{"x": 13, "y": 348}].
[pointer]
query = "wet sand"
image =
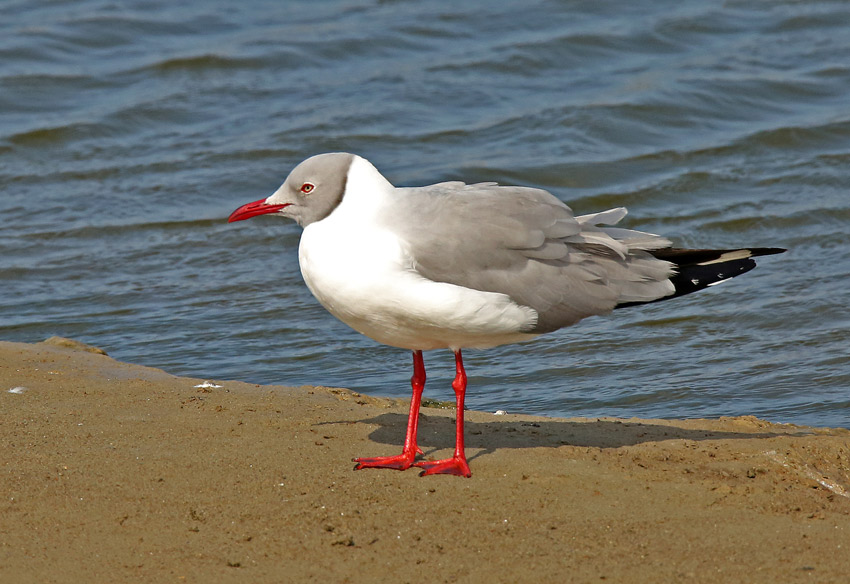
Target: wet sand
[{"x": 113, "y": 472}]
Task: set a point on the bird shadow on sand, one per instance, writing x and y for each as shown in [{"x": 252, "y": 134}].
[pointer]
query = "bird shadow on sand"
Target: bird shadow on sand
[{"x": 438, "y": 432}]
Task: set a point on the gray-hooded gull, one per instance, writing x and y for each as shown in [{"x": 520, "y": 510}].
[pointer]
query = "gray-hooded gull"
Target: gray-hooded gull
[{"x": 455, "y": 265}]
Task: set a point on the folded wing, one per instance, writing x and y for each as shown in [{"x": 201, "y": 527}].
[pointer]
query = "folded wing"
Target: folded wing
[{"x": 528, "y": 245}]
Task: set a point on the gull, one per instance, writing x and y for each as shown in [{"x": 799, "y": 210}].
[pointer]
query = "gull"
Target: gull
[{"x": 455, "y": 266}]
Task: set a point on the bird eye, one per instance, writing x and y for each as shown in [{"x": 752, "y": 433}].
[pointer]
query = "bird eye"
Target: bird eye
[{"x": 307, "y": 187}]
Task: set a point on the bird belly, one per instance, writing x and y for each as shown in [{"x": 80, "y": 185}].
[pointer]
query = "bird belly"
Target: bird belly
[{"x": 365, "y": 280}]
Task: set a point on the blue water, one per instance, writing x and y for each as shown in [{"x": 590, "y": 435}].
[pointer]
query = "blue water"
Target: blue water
[{"x": 129, "y": 131}]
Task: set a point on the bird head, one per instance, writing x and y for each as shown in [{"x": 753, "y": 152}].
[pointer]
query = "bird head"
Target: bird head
[{"x": 311, "y": 191}]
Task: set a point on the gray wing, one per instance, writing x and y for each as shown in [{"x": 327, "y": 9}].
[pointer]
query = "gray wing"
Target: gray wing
[{"x": 525, "y": 243}]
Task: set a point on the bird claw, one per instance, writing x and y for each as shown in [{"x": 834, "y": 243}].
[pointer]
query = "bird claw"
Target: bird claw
[
  {"x": 401, "y": 461},
  {"x": 453, "y": 466}
]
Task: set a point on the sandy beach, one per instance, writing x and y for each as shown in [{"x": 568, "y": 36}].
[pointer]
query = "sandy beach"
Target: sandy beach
[{"x": 113, "y": 472}]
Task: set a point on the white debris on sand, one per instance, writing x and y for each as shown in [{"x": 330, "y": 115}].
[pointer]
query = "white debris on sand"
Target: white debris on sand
[{"x": 209, "y": 385}]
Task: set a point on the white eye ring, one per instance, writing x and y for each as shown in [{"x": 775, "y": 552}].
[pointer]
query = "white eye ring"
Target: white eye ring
[{"x": 307, "y": 188}]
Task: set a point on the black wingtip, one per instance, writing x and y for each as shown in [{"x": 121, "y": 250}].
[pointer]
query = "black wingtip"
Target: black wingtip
[
  {"x": 697, "y": 269},
  {"x": 763, "y": 251},
  {"x": 693, "y": 278}
]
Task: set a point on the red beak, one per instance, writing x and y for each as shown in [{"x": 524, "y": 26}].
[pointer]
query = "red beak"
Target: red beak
[{"x": 253, "y": 209}]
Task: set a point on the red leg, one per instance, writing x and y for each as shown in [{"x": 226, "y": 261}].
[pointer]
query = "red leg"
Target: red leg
[
  {"x": 408, "y": 454},
  {"x": 457, "y": 464}
]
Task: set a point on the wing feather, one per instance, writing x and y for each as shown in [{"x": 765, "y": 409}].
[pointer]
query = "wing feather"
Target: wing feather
[{"x": 527, "y": 244}]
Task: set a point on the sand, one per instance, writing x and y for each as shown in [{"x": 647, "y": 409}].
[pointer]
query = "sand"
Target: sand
[{"x": 114, "y": 472}]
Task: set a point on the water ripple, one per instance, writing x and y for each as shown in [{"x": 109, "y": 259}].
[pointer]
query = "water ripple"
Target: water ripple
[{"x": 129, "y": 134}]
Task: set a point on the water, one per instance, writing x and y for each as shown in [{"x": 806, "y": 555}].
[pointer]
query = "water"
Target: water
[{"x": 130, "y": 130}]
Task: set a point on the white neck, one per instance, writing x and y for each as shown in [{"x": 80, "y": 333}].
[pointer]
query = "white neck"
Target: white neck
[{"x": 365, "y": 185}]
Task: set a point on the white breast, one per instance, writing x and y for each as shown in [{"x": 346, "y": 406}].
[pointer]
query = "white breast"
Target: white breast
[{"x": 361, "y": 272}]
